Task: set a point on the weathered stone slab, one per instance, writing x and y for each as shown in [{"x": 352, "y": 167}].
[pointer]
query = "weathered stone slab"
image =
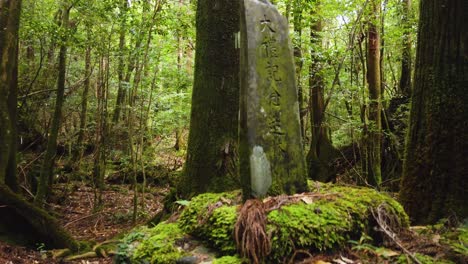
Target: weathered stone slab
[{"x": 271, "y": 155}]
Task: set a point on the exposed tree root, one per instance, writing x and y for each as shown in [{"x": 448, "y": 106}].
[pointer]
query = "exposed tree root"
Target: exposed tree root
[
  {"x": 21, "y": 216},
  {"x": 250, "y": 231}
]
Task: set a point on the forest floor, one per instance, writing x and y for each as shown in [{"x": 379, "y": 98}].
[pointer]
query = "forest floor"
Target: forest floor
[{"x": 72, "y": 204}]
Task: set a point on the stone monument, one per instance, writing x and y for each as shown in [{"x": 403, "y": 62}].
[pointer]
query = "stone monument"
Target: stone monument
[{"x": 270, "y": 151}]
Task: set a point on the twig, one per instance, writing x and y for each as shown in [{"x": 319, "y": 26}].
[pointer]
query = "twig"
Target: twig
[
  {"x": 379, "y": 218},
  {"x": 81, "y": 218}
]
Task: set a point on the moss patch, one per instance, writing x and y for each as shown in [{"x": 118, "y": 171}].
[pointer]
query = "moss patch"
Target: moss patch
[
  {"x": 323, "y": 220},
  {"x": 158, "y": 245},
  {"x": 211, "y": 217}
]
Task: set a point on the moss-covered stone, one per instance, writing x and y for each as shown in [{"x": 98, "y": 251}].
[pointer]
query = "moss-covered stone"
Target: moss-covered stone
[
  {"x": 153, "y": 245},
  {"x": 319, "y": 221},
  {"x": 212, "y": 216}
]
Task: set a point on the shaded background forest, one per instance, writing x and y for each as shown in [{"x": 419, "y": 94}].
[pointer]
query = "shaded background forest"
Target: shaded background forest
[{"x": 129, "y": 77}]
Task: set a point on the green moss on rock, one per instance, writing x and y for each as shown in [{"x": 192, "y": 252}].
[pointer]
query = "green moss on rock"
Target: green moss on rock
[
  {"x": 324, "y": 220},
  {"x": 212, "y": 216}
]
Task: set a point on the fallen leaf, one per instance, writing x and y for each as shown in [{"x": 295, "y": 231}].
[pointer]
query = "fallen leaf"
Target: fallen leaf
[
  {"x": 339, "y": 261},
  {"x": 347, "y": 260},
  {"x": 307, "y": 199},
  {"x": 386, "y": 253},
  {"x": 321, "y": 262}
]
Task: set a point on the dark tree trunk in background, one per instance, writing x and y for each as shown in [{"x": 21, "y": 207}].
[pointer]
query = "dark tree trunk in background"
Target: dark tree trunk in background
[
  {"x": 79, "y": 149},
  {"x": 373, "y": 128},
  {"x": 297, "y": 21},
  {"x": 321, "y": 153},
  {"x": 9, "y": 25},
  {"x": 121, "y": 68},
  {"x": 46, "y": 176},
  {"x": 212, "y": 146},
  {"x": 435, "y": 171},
  {"x": 405, "y": 79}
]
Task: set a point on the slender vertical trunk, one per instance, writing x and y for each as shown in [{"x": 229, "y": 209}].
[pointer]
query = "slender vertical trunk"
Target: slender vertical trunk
[
  {"x": 78, "y": 152},
  {"x": 121, "y": 68},
  {"x": 46, "y": 176},
  {"x": 374, "y": 131},
  {"x": 321, "y": 152},
  {"x": 405, "y": 79},
  {"x": 297, "y": 21}
]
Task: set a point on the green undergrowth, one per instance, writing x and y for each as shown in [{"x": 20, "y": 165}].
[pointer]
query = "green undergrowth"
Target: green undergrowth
[
  {"x": 154, "y": 245},
  {"x": 328, "y": 221}
]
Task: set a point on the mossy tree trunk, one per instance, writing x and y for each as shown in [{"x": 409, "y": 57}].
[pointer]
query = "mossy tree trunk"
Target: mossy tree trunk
[
  {"x": 435, "y": 170},
  {"x": 46, "y": 176},
  {"x": 212, "y": 146},
  {"x": 9, "y": 25},
  {"x": 373, "y": 128},
  {"x": 321, "y": 152}
]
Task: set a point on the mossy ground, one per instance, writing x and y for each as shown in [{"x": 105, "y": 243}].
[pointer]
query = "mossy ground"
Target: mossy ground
[{"x": 322, "y": 221}]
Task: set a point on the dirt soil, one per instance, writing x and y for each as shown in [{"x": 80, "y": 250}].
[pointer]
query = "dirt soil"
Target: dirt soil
[{"x": 72, "y": 205}]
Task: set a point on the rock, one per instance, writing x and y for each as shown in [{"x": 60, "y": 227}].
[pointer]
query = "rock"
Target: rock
[
  {"x": 187, "y": 260},
  {"x": 271, "y": 154}
]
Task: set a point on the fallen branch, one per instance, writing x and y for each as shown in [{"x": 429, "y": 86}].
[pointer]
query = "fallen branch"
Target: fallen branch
[
  {"x": 81, "y": 218},
  {"x": 379, "y": 215}
]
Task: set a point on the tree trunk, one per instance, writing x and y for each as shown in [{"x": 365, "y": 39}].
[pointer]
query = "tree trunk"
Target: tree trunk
[
  {"x": 78, "y": 152},
  {"x": 373, "y": 135},
  {"x": 211, "y": 156},
  {"x": 297, "y": 21},
  {"x": 46, "y": 177},
  {"x": 405, "y": 79},
  {"x": 9, "y": 25},
  {"x": 435, "y": 170},
  {"x": 121, "y": 91},
  {"x": 321, "y": 153}
]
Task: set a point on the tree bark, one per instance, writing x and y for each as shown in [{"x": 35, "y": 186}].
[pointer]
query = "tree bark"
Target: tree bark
[
  {"x": 297, "y": 21},
  {"x": 9, "y": 26},
  {"x": 435, "y": 170},
  {"x": 121, "y": 68},
  {"x": 78, "y": 152},
  {"x": 321, "y": 153},
  {"x": 212, "y": 146},
  {"x": 46, "y": 175},
  {"x": 373, "y": 133},
  {"x": 405, "y": 79}
]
